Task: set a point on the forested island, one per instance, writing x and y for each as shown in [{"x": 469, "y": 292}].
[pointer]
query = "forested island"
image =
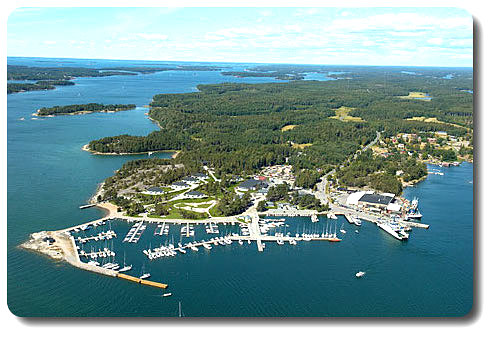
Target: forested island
[
  {"x": 37, "y": 86},
  {"x": 82, "y": 109}
]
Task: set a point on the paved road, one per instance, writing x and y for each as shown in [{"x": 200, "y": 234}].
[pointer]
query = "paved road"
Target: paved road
[{"x": 324, "y": 183}]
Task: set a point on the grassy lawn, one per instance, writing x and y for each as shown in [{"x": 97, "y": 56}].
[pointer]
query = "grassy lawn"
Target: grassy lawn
[
  {"x": 288, "y": 127},
  {"x": 301, "y": 146},
  {"x": 416, "y": 95},
  {"x": 193, "y": 200},
  {"x": 215, "y": 212},
  {"x": 343, "y": 114},
  {"x": 175, "y": 213},
  {"x": 203, "y": 206}
]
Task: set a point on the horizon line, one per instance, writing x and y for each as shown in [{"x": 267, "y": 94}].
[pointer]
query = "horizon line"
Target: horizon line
[{"x": 239, "y": 62}]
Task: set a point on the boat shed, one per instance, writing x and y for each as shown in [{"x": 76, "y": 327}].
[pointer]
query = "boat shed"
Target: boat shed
[
  {"x": 378, "y": 200},
  {"x": 354, "y": 198}
]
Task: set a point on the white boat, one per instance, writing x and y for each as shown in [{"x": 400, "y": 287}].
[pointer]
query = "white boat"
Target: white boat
[
  {"x": 280, "y": 242},
  {"x": 314, "y": 218},
  {"x": 181, "y": 250},
  {"x": 166, "y": 294},
  {"x": 414, "y": 212},
  {"x": 143, "y": 274},
  {"x": 342, "y": 231},
  {"x": 360, "y": 274},
  {"x": 126, "y": 268},
  {"x": 388, "y": 227},
  {"x": 240, "y": 242},
  {"x": 194, "y": 248},
  {"x": 207, "y": 246},
  {"x": 357, "y": 221}
]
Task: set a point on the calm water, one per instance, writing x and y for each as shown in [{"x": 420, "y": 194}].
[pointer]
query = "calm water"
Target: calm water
[{"x": 49, "y": 177}]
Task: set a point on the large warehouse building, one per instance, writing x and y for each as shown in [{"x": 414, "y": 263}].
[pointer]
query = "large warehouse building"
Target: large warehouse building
[{"x": 369, "y": 199}]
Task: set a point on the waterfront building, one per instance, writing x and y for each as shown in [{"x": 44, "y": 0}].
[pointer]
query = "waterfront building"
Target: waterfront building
[{"x": 369, "y": 199}]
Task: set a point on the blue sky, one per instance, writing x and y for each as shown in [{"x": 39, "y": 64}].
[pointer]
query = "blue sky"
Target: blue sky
[{"x": 350, "y": 36}]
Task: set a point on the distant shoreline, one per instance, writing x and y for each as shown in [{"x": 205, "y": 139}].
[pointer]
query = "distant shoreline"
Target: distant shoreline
[{"x": 86, "y": 147}]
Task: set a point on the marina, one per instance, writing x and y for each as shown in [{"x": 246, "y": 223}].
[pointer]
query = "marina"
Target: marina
[{"x": 191, "y": 236}]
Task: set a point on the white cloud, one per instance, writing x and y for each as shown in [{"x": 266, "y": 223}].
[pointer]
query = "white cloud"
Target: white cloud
[
  {"x": 461, "y": 42},
  {"x": 266, "y": 13},
  {"x": 153, "y": 36},
  {"x": 293, "y": 28},
  {"x": 408, "y": 22},
  {"x": 435, "y": 41},
  {"x": 306, "y": 12}
]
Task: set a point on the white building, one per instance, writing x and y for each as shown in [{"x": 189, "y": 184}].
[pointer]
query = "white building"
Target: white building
[
  {"x": 153, "y": 191},
  {"x": 179, "y": 185},
  {"x": 194, "y": 194}
]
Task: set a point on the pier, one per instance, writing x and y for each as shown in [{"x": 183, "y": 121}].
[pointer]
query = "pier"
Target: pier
[
  {"x": 104, "y": 235},
  {"x": 87, "y": 206}
]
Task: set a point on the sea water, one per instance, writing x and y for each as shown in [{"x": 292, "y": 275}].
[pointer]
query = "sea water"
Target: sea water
[{"x": 49, "y": 176}]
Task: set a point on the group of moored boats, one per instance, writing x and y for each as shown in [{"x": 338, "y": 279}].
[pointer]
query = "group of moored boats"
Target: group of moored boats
[
  {"x": 187, "y": 231},
  {"x": 212, "y": 229},
  {"x": 134, "y": 234},
  {"x": 161, "y": 230},
  {"x": 105, "y": 252},
  {"x": 172, "y": 250},
  {"x": 414, "y": 212},
  {"x": 104, "y": 235},
  {"x": 353, "y": 219},
  {"x": 394, "y": 229},
  {"x": 88, "y": 226}
]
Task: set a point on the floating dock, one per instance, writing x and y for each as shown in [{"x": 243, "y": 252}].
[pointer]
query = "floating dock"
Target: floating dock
[{"x": 141, "y": 281}]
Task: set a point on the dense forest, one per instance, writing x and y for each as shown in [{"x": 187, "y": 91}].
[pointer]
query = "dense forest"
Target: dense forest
[
  {"x": 378, "y": 173},
  {"x": 90, "y": 107},
  {"x": 241, "y": 128},
  {"x": 238, "y": 128}
]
